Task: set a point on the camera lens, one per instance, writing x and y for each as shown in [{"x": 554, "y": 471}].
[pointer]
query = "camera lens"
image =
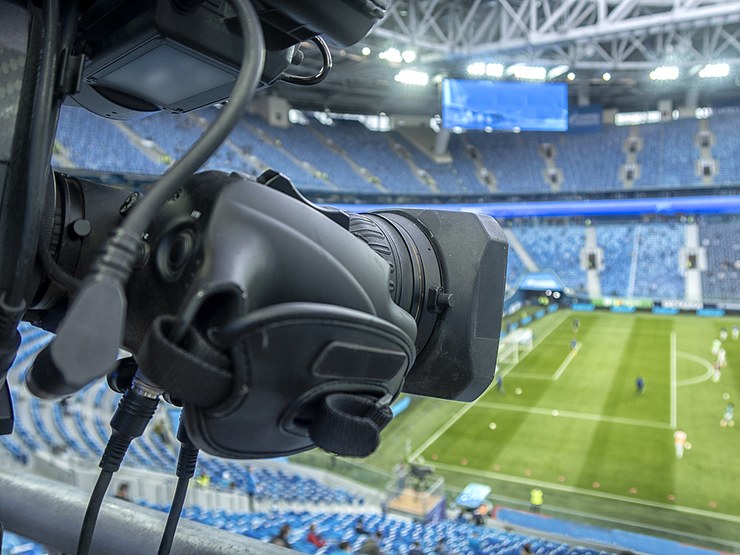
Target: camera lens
[{"x": 414, "y": 267}]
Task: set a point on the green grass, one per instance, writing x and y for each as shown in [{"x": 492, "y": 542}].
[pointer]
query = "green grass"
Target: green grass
[{"x": 606, "y": 451}]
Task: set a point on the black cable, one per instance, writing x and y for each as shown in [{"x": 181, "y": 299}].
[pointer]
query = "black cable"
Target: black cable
[
  {"x": 323, "y": 72},
  {"x": 186, "y": 461},
  {"x": 134, "y": 412},
  {"x": 91, "y": 514},
  {"x": 39, "y": 155},
  {"x": 173, "y": 518}
]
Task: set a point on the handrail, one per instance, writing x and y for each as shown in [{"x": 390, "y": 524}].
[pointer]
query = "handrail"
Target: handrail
[{"x": 50, "y": 513}]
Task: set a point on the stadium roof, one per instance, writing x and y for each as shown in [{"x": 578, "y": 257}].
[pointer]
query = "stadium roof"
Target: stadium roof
[{"x": 627, "y": 38}]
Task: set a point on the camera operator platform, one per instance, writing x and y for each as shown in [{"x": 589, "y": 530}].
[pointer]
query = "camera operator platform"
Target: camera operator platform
[{"x": 417, "y": 492}]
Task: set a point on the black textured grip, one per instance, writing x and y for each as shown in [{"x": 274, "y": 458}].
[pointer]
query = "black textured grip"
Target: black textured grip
[{"x": 350, "y": 425}]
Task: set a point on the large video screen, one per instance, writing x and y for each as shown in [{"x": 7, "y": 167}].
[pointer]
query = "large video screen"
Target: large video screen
[{"x": 480, "y": 104}]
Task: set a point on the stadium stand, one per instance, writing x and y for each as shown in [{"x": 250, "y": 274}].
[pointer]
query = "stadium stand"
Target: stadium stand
[
  {"x": 467, "y": 159},
  {"x": 657, "y": 272},
  {"x": 555, "y": 247},
  {"x": 617, "y": 241},
  {"x": 669, "y": 155},
  {"x": 721, "y": 238},
  {"x": 305, "y": 142},
  {"x": 514, "y": 161},
  {"x": 640, "y": 260},
  {"x": 398, "y": 535},
  {"x": 173, "y": 135},
  {"x": 514, "y": 268},
  {"x": 92, "y": 142},
  {"x": 372, "y": 151},
  {"x": 17, "y": 545},
  {"x": 590, "y": 162},
  {"x": 447, "y": 176},
  {"x": 348, "y": 157},
  {"x": 724, "y": 125}
]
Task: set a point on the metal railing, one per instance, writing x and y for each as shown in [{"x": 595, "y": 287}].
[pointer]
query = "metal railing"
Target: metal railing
[{"x": 51, "y": 513}]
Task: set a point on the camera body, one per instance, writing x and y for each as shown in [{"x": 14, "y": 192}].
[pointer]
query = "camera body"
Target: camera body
[{"x": 277, "y": 324}]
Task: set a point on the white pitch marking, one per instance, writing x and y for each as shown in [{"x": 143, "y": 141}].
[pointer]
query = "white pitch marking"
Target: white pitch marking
[
  {"x": 674, "y": 392},
  {"x": 536, "y": 344},
  {"x": 698, "y": 379},
  {"x": 571, "y": 355},
  {"x": 578, "y": 415},
  {"x": 459, "y": 414}
]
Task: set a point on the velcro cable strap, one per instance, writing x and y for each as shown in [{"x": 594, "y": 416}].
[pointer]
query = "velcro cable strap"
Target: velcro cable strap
[
  {"x": 192, "y": 371},
  {"x": 350, "y": 425}
]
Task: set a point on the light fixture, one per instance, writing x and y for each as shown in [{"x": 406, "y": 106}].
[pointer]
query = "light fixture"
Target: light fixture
[
  {"x": 664, "y": 73},
  {"x": 392, "y": 55},
  {"x": 534, "y": 73},
  {"x": 408, "y": 56},
  {"x": 571, "y": 76},
  {"x": 366, "y": 51},
  {"x": 606, "y": 76},
  {"x": 557, "y": 71},
  {"x": 494, "y": 70},
  {"x": 412, "y": 77},
  {"x": 714, "y": 70},
  {"x": 477, "y": 69}
]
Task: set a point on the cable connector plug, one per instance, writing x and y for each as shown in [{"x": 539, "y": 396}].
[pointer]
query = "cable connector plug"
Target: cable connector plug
[
  {"x": 87, "y": 341},
  {"x": 187, "y": 458},
  {"x": 134, "y": 412}
]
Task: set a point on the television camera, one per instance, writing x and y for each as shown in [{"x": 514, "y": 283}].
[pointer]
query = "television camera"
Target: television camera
[{"x": 278, "y": 325}]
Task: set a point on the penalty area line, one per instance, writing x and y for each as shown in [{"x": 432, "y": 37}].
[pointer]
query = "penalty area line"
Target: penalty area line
[
  {"x": 571, "y": 355},
  {"x": 536, "y": 344}
]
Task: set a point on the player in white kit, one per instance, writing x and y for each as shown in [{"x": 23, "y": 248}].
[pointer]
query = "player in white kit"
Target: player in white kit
[{"x": 679, "y": 440}]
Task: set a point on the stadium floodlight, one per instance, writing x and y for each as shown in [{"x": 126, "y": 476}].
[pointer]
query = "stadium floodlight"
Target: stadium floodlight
[
  {"x": 606, "y": 76},
  {"x": 714, "y": 70},
  {"x": 408, "y": 56},
  {"x": 412, "y": 77},
  {"x": 477, "y": 69},
  {"x": 557, "y": 71},
  {"x": 571, "y": 76},
  {"x": 366, "y": 51},
  {"x": 534, "y": 73},
  {"x": 392, "y": 55},
  {"x": 494, "y": 70},
  {"x": 665, "y": 73}
]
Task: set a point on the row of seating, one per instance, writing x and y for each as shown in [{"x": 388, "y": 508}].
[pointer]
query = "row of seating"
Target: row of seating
[
  {"x": 640, "y": 259},
  {"x": 347, "y": 157},
  {"x": 721, "y": 238},
  {"x": 13, "y": 544},
  {"x": 398, "y": 535}
]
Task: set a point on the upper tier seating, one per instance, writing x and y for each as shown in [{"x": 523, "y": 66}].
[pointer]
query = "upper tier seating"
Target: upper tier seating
[{"x": 346, "y": 157}]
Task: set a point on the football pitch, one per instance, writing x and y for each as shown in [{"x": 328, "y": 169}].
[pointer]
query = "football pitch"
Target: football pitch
[{"x": 572, "y": 422}]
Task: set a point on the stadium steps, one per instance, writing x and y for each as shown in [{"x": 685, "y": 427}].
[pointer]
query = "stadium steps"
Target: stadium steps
[
  {"x": 318, "y": 174},
  {"x": 361, "y": 171}
]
